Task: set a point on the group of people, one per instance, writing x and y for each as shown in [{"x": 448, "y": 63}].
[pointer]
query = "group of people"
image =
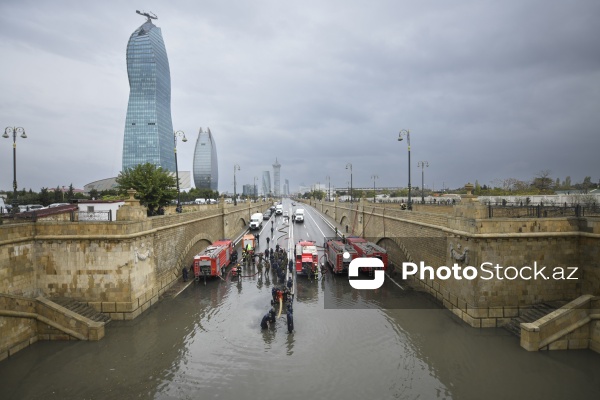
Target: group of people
[{"x": 283, "y": 295}]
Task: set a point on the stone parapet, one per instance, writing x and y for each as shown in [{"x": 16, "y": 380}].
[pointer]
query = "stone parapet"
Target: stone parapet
[
  {"x": 24, "y": 321},
  {"x": 572, "y": 326}
]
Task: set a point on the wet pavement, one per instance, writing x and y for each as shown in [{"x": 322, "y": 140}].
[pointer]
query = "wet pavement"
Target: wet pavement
[{"x": 207, "y": 343}]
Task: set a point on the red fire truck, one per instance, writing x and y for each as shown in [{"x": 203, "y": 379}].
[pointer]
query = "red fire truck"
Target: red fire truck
[
  {"x": 365, "y": 248},
  {"x": 213, "y": 260},
  {"x": 307, "y": 258},
  {"x": 334, "y": 254}
]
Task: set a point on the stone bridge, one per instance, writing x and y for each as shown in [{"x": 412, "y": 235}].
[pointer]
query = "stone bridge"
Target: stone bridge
[
  {"x": 442, "y": 235},
  {"x": 120, "y": 268}
]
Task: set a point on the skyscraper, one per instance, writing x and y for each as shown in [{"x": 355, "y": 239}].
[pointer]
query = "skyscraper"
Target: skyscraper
[
  {"x": 286, "y": 188},
  {"x": 206, "y": 167},
  {"x": 266, "y": 183},
  {"x": 148, "y": 127},
  {"x": 276, "y": 177}
]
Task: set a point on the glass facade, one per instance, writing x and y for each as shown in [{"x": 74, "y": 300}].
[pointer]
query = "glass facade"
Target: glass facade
[
  {"x": 276, "y": 175},
  {"x": 266, "y": 183},
  {"x": 148, "y": 126},
  {"x": 206, "y": 167}
]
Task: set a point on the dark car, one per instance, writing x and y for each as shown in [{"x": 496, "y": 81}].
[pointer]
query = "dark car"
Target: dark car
[{"x": 267, "y": 215}]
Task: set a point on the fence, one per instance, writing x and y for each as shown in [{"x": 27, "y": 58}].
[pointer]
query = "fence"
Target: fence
[
  {"x": 95, "y": 216},
  {"x": 508, "y": 210},
  {"x": 48, "y": 215}
]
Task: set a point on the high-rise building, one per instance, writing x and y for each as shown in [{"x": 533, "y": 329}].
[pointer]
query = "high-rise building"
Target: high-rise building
[
  {"x": 266, "y": 183},
  {"x": 276, "y": 175},
  {"x": 249, "y": 190},
  {"x": 206, "y": 167},
  {"x": 286, "y": 188},
  {"x": 148, "y": 127}
]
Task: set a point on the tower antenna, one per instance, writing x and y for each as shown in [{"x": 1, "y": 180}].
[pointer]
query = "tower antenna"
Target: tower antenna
[{"x": 150, "y": 15}]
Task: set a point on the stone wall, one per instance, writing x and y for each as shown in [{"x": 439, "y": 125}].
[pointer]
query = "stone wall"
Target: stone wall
[
  {"x": 120, "y": 268},
  {"x": 17, "y": 273},
  {"x": 16, "y": 333},
  {"x": 467, "y": 236},
  {"x": 24, "y": 321}
]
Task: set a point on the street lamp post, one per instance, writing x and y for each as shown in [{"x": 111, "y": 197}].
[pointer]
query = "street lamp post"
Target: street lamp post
[
  {"x": 347, "y": 188},
  {"x": 235, "y": 168},
  {"x": 374, "y": 177},
  {"x": 328, "y": 188},
  {"x": 350, "y": 165},
  {"x": 406, "y": 132},
  {"x": 422, "y": 164},
  {"x": 183, "y": 139},
  {"x": 14, "y": 131}
]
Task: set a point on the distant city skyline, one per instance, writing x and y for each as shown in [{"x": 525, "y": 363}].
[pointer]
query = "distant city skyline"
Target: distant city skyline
[{"x": 479, "y": 85}]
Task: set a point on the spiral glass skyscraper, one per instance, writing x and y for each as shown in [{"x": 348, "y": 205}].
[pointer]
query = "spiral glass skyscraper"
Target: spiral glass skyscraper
[{"x": 148, "y": 126}]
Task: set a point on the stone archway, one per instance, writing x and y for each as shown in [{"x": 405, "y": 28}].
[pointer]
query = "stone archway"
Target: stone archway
[
  {"x": 397, "y": 251},
  {"x": 193, "y": 247},
  {"x": 343, "y": 222}
]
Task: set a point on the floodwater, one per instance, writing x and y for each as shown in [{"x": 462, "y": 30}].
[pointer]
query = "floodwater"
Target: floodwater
[{"x": 207, "y": 343}]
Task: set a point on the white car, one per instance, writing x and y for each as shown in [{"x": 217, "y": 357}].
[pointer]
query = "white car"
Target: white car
[
  {"x": 57, "y": 205},
  {"x": 31, "y": 207}
]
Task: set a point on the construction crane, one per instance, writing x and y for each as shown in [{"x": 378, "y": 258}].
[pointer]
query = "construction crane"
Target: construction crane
[{"x": 149, "y": 15}]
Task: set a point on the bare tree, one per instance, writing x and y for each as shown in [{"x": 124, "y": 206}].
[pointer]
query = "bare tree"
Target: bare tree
[{"x": 543, "y": 181}]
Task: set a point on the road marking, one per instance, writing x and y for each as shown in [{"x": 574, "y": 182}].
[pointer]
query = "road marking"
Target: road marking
[{"x": 317, "y": 225}]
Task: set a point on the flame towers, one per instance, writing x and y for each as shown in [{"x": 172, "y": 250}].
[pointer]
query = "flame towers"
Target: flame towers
[
  {"x": 148, "y": 127},
  {"x": 206, "y": 166}
]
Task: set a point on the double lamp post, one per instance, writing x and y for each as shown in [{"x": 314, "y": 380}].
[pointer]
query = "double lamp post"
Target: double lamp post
[{"x": 14, "y": 131}]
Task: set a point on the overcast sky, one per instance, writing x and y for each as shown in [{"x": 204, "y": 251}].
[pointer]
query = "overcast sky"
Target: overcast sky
[{"x": 488, "y": 89}]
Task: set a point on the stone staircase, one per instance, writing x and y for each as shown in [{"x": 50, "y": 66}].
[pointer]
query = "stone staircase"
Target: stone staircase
[
  {"x": 81, "y": 309},
  {"x": 532, "y": 314}
]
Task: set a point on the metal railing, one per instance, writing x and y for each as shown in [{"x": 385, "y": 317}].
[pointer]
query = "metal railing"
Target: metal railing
[
  {"x": 508, "y": 210},
  {"x": 95, "y": 216}
]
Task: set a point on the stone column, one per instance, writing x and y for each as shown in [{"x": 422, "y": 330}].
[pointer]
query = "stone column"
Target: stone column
[{"x": 132, "y": 210}]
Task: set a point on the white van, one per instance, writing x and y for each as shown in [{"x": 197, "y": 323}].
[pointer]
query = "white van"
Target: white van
[
  {"x": 299, "y": 215},
  {"x": 256, "y": 221},
  {"x": 279, "y": 209},
  {"x": 200, "y": 201}
]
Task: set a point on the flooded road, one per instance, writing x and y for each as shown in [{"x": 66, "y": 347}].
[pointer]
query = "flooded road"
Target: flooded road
[{"x": 207, "y": 343}]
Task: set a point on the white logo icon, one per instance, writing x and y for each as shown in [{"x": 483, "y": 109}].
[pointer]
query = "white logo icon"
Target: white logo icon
[{"x": 364, "y": 262}]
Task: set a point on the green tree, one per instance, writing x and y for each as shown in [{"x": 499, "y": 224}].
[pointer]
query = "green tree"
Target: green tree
[
  {"x": 58, "y": 195},
  {"x": 94, "y": 194},
  {"x": 155, "y": 186},
  {"x": 45, "y": 197},
  {"x": 71, "y": 193}
]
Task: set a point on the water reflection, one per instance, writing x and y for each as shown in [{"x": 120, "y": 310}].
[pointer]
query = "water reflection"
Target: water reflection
[{"x": 208, "y": 343}]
